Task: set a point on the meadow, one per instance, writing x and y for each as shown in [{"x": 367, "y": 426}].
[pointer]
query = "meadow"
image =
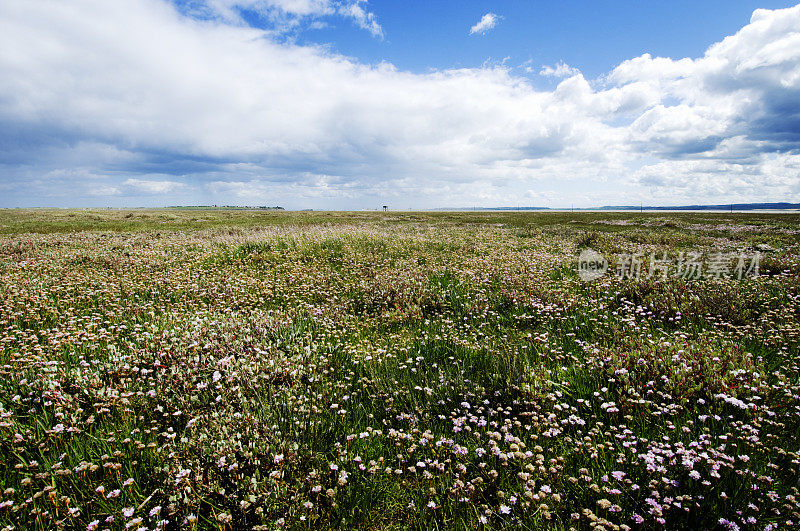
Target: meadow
[{"x": 225, "y": 369}]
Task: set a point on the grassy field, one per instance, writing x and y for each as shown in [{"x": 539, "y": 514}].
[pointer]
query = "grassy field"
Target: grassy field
[{"x": 229, "y": 369}]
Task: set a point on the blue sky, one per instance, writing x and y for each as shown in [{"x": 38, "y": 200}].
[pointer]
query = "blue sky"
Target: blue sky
[
  {"x": 592, "y": 36},
  {"x": 349, "y": 104}
]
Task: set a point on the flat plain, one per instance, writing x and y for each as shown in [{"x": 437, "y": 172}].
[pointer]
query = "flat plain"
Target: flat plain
[{"x": 242, "y": 369}]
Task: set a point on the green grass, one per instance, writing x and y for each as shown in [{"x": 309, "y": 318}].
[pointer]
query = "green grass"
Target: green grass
[{"x": 237, "y": 369}]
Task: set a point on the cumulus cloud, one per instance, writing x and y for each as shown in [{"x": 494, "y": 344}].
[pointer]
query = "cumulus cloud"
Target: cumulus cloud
[
  {"x": 561, "y": 69},
  {"x": 137, "y": 98},
  {"x": 487, "y": 22},
  {"x": 748, "y": 84}
]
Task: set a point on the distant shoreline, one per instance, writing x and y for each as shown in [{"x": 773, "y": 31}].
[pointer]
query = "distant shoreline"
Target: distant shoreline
[
  {"x": 765, "y": 208},
  {"x": 734, "y": 207}
]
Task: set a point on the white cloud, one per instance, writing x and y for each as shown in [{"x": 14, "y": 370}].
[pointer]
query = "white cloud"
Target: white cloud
[
  {"x": 229, "y": 9},
  {"x": 487, "y": 22},
  {"x": 287, "y": 14},
  {"x": 143, "y": 99},
  {"x": 364, "y": 19},
  {"x": 105, "y": 190},
  {"x": 559, "y": 70},
  {"x": 304, "y": 186},
  {"x": 775, "y": 175},
  {"x": 153, "y": 187}
]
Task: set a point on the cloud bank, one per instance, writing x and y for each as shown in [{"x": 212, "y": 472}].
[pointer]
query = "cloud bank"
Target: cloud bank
[{"x": 137, "y": 102}]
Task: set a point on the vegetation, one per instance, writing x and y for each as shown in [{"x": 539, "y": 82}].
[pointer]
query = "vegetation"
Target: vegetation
[{"x": 220, "y": 369}]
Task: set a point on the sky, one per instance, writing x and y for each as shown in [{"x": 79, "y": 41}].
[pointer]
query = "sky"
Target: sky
[{"x": 354, "y": 104}]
